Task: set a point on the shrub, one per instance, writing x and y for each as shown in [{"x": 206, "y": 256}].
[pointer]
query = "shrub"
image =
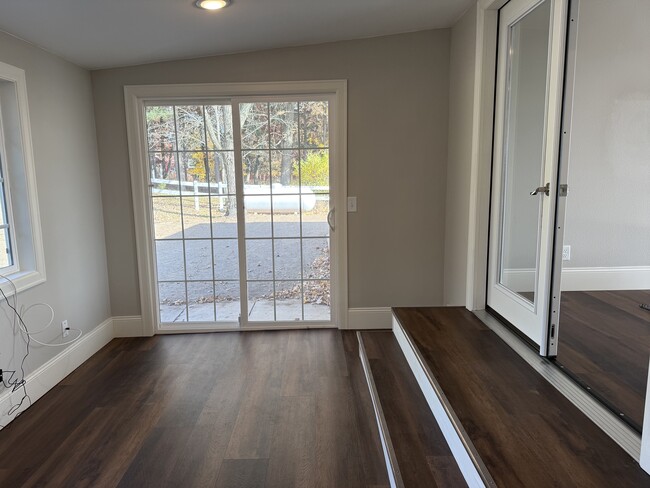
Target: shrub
[{"x": 315, "y": 169}]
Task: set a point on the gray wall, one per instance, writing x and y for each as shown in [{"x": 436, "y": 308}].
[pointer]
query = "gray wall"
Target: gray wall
[
  {"x": 397, "y": 154},
  {"x": 461, "y": 107},
  {"x": 67, "y": 173},
  {"x": 608, "y": 207}
]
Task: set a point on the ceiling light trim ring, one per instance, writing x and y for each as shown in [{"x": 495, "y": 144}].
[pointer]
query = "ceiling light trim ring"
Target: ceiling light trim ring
[{"x": 212, "y": 5}]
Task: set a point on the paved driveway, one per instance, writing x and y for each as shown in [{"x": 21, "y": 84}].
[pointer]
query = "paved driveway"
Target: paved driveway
[{"x": 264, "y": 256}]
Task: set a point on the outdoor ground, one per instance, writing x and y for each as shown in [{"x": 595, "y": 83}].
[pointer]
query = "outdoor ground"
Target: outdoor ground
[{"x": 211, "y": 245}]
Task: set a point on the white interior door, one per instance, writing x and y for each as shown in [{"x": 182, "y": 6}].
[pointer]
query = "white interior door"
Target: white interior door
[{"x": 526, "y": 135}]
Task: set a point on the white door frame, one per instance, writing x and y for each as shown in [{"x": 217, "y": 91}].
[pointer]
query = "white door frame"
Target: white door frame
[{"x": 135, "y": 98}]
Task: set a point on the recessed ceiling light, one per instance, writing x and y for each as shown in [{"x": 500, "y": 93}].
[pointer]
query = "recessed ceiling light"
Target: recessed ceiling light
[{"x": 212, "y": 4}]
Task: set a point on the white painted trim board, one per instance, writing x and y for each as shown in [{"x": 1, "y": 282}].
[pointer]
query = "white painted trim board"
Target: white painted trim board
[
  {"x": 370, "y": 318},
  {"x": 644, "y": 458},
  {"x": 586, "y": 278},
  {"x": 47, "y": 376},
  {"x": 129, "y": 326}
]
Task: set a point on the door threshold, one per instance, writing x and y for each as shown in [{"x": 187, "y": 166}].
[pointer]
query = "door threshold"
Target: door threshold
[
  {"x": 194, "y": 329},
  {"x": 620, "y": 431}
]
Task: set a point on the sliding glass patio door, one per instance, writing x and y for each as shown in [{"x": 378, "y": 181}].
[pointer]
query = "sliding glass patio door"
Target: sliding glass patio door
[
  {"x": 240, "y": 211},
  {"x": 285, "y": 162}
]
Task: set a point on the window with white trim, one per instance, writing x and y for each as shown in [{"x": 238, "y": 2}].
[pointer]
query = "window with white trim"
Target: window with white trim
[
  {"x": 8, "y": 261},
  {"x": 21, "y": 249}
]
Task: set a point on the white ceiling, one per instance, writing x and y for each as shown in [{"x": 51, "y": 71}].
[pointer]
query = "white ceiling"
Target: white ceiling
[{"x": 109, "y": 33}]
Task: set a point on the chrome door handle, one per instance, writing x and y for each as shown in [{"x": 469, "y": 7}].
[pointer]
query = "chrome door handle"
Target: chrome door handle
[
  {"x": 329, "y": 219},
  {"x": 546, "y": 189}
]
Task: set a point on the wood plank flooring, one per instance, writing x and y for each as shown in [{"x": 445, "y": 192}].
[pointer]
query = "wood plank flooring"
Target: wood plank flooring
[
  {"x": 423, "y": 455},
  {"x": 524, "y": 430},
  {"x": 253, "y": 409},
  {"x": 604, "y": 341}
]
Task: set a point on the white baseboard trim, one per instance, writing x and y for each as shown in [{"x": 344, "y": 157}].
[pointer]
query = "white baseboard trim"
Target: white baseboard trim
[
  {"x": 128, "y": 326},
  {"x": 370, "y": 318},
  {"x": 594, "y": 279},
  {"x": 585, "y": 279},
  {"x": 358, "y": 319},
  {"x": 43, "y": 379}
]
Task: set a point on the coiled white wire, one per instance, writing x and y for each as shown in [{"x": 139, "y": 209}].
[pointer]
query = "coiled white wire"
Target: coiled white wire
[{"x": 23, "y": 312}]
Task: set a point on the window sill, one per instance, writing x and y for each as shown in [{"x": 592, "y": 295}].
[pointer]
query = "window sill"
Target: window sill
[{"x": 23, "y": 280}]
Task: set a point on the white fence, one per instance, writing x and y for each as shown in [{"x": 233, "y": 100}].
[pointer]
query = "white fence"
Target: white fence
[{"x": 287, "y": 198}]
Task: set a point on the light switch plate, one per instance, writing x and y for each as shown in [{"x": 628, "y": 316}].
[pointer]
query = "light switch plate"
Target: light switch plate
[{"x": 352, "y": 204}]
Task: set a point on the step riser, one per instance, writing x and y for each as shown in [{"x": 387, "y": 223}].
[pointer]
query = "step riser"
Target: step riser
[
  {"x": 392, "y": 468},
  {"x": 475, "y": 473}
]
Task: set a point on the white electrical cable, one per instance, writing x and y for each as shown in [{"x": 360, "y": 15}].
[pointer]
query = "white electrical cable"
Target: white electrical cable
[
  {"x": 24, "y": 310},
  {"x": 58, "y": 344}
]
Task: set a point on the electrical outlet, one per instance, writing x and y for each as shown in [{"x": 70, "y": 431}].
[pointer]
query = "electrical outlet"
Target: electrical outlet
[
  {"x": 65, "y": 329},
  {"x": 566, "y": 253}
]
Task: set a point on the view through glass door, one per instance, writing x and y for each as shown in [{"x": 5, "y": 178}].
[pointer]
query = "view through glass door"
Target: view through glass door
[
  {"x": 286, "y": 174},
  {"x": 525, "y": 164},
  {"x": 241, "y": 217}
]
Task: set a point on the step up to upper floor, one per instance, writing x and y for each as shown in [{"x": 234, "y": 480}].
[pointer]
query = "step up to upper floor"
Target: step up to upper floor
[
  {"x": 504, "y": 423},
  {"x": 420, "y": 454}
]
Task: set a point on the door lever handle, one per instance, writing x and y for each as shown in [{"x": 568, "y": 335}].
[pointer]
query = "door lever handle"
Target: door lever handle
[
  {"x": 546, "y": 189},
  {"x": 329, "y": 219}
]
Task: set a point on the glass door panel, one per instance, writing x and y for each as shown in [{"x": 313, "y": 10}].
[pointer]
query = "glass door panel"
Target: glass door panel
[
  {"x": 523, "y": 151},
  {"x": 286, "y": 181},
  {"x": 194, "y": 209}
]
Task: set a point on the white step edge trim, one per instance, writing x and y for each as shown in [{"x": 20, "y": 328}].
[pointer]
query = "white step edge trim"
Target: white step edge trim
[
  {"x": 370, "y": 318},
  {"x": 392, "y": 468},
  {"x": 471, "y": 466},
  {"x": 47, "y": 376},
  {"x": 624, "y": 435},
  {"x": 644, "y": 460}
]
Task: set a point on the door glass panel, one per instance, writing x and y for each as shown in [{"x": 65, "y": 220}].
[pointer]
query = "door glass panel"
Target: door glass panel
[
  {"x": 286, "y": 175},
  {"x": 284, "y": 165},
  {"x": 194, "y": 207},
  {"x": 604, "y": 285},
  {"x": 523, "y": 150}
]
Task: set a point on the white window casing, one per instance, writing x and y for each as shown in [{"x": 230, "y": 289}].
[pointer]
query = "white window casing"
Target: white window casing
[{"x": 19, "y": 185}]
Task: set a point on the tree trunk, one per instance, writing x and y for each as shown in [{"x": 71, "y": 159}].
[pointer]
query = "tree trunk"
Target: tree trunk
[
  {"x": 286, "y": 168},
  {"x": 227, "y": 163}
]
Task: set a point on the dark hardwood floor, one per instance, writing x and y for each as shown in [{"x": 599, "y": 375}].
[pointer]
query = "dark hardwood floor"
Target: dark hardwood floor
[
  {"x": 423, "y": 455},
  {"x": 253, "y": 409},
  {"x": 525, "y": 431},
  {"x": 604, "y": 342}
]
